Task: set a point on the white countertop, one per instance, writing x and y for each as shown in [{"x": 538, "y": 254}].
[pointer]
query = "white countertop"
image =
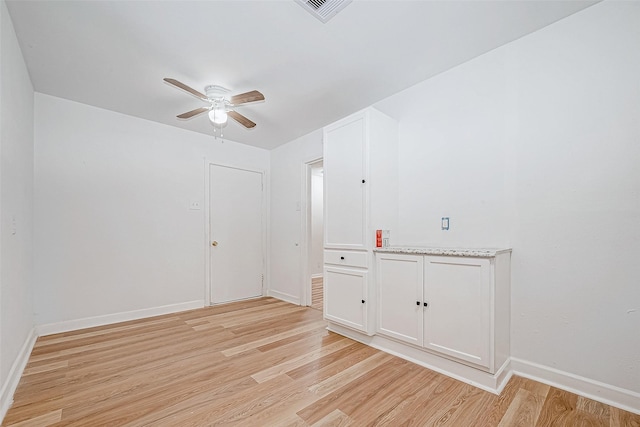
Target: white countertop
[{"x": 470, "y": 252}]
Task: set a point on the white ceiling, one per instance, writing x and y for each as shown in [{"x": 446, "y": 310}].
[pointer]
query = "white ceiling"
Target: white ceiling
[{"x": 114, "y": 54}]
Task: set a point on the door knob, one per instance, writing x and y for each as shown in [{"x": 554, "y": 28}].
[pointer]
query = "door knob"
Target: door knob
[{"x": 214, "y": 243}]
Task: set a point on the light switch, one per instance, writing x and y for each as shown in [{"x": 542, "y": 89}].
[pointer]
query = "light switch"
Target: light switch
[{"x": 445, "y": 222}]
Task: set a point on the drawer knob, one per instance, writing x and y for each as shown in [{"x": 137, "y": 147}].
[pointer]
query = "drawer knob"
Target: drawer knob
[
  {"x": 417, "y": 302},
  {"x": 363, "y": 301},
  {"x": 341, "y": 257},
  {"x": 426, "y": 304}
]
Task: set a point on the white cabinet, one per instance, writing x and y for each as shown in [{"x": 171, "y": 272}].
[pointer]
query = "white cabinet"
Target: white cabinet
[
  {"x": 360, "y": 196},
  {"x": 455, "y": 306},
  {"x": 345, "y": 183},
  {"x": 345, "y": 293},
  {"x": 400, "y": 310},
  {"x": 457, "y": 319}
]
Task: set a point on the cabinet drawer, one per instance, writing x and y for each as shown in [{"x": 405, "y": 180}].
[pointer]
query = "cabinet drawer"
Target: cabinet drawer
[{"x": 347, "y": 258}]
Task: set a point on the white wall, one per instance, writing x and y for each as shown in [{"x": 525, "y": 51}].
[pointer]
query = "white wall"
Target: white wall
[
  {"x": 16, "y": 211},
  {"x": 285, "y": 227},
  {"x": 317, "y": 221},
  {"x": 113, "y": 229},
  {"x": 536, "y": 146}
]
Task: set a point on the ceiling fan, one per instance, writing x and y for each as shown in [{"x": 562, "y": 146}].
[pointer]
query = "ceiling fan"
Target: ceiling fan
[{"x": 220, "y": 106}]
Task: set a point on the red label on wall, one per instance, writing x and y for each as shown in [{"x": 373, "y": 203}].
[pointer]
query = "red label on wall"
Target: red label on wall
[{"x": 378, "y": 238}]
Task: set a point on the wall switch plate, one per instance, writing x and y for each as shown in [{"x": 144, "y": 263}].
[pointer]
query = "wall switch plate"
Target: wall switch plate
[
  {"x": 194, "y": 205},
  {"x": 445, "y": 223}
]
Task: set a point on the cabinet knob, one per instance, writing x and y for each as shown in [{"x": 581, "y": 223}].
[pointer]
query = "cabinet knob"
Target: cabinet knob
[
  {"x": 417, "y": 302},
  {"x": 426, "y": 304},
  {"x": 363, "y": 301},
  {"x": 341, "y": 257},
  {"x": 363, "y": 181}
]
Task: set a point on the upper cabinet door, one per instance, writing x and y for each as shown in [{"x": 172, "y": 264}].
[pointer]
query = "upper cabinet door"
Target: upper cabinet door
[{"x": 345, "y": 183}]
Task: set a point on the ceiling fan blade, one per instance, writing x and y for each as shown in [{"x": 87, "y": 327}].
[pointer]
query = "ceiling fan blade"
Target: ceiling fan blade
[
  {"x": 193, "y": 113},
  {"x": 243, "y": 98},
  {"x": 186, "y": 88},
  {"x": 241, "y": 119}
]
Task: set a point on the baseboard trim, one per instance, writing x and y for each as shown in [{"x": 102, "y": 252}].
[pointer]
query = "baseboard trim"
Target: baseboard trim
[
  {"x": 107, "y": 319},
  {"x": 17, "y": 368},
  {"x": 493, "y": 383},
  {"x": 284, "y": 297},
  {"x": 611, "y": 395}
]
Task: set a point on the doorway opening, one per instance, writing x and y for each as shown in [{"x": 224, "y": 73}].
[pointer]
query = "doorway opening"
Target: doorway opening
[{"x": 313, "y": 234}]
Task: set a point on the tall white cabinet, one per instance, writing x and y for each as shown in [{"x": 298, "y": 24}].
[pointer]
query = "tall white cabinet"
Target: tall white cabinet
[{"x": 360, "y": 196}]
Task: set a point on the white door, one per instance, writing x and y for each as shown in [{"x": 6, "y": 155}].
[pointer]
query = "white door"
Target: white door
[{"x": 236, "y": 233}]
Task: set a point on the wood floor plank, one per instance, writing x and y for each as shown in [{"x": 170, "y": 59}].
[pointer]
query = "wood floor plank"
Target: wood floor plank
[
  {"x": 402, "y": 413},
  {"x": 353, "y": 394},
  {"x": 500, "y": 406},
  {"x": 254, "y": 344},
  {"x": 405, "y": 384},
  {"x": 523, "y": 411},
  {"x": 352, "y": 373},
  {"x": 335, "y": 418},
  {"x": 47, "y": 419},
  {"x": 263, "y": 362},
  {"x": 557, "y": 407},
  {"x": 296, "y": 362},
  {"x": 46, "y": 342},
  {"x": 450, "y": 414},
  {"x": 618, "y": 417},
  {"x": 317, "y": 293},
  {"x": 315, "y": 366}
]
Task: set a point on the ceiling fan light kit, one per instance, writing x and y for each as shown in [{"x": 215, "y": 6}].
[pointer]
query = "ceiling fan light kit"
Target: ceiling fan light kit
[
  {"x": 218, "y": 116},
  {"x": 220, "y": 106}
]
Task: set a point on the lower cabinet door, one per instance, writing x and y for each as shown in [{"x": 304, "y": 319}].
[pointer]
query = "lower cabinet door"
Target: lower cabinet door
[
  {"x": 457, "y": 320},
  {"x": 345, "y": 297},
  {"x": 400, "y": 303}
]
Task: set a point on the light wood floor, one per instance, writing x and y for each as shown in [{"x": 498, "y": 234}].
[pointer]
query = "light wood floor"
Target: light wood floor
[
  {"x": 263, "y": 363},
  {"x": 317, "y": 296}
]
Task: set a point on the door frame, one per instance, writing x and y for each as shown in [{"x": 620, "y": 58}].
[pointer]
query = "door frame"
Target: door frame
[
  {"x": 305, "y": 232},
  {"x": 207, "y": 227}
]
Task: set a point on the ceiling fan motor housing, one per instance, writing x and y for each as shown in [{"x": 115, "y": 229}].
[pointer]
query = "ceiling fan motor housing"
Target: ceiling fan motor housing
[{"x": 215, "y": 92}]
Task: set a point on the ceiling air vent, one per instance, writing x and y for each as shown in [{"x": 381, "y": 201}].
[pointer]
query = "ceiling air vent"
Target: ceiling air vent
[{"x": 323, "y": 9}]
